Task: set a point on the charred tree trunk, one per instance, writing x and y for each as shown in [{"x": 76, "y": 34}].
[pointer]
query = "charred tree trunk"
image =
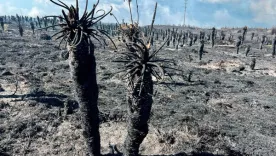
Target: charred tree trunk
[
  {"x": 139, "y": 108},
  {"x": 243, "y": 34},
  {"x": 253, "y": 64},
  {"x": 238, "y": 44},
  {"x": 20, "y": 30},
  {"x": 201, "y": 49},
  {"x": 213, "y": 36},
  {"x": 274, "y": 47},
  {"x": 247, "y": 50},
  {"x": 83, "y": 73}
]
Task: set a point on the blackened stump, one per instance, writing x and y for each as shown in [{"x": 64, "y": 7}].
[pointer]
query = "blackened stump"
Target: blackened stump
[
  {"x": 274, "y": 47},
  {"x": 83, "y": 73},
  {"x": 200, "y": 51},
  {"x": 139, "y": 108},
  {"x": 253, "y": 64}
]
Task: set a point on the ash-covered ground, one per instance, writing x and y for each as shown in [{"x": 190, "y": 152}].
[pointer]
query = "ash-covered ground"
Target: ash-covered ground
[{"x": 226, "y": 108}]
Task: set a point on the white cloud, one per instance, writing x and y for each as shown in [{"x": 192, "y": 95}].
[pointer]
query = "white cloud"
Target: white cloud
[
  {"x": 219, "y": 1},
  {"x": 222, "y": 15},
  {"x": 264, "y": 11},
  {"x": 146, "y": 8},
  {"x": 223, "y": 18},
  {"x": 164, "y": 14},
  {"x": 36, "y": 12},
  {"x": 42, "y": 1},
  {"x": 47, "y": 2},
  {"x": 7, "y": 9}
]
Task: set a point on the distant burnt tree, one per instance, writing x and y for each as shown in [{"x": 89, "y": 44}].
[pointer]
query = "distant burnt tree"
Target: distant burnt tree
[{"x": 273, "y": 31}]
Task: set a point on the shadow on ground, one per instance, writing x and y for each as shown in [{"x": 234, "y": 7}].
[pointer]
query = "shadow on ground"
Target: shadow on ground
[{"x": 178, "y": 154}]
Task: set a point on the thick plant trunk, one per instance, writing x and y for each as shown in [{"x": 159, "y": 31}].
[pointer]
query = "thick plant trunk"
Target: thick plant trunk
[
  {"x": 83, "y": 73},
  {"x": 273, "y": 47},
  {"x": 213, "y": 42},
  {"x": 201, "y": 50},
  {"x": 139, "y": 108}
]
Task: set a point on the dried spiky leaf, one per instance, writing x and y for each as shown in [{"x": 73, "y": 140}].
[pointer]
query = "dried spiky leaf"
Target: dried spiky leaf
[{"x": 76, "y": 28}]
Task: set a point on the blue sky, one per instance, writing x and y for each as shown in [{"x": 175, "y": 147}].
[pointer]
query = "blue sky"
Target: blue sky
[{"x": 202, "y": 13}]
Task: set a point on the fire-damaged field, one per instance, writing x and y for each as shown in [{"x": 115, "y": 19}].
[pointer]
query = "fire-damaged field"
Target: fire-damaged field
[{"x": 216, "y": 106}]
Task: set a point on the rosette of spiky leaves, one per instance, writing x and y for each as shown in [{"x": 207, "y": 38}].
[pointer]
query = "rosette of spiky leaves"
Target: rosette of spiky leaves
[
  {"x": 129, "y": 30},
  {"x": 140, "y": 59},
  {"x": 76, "y": 28}
]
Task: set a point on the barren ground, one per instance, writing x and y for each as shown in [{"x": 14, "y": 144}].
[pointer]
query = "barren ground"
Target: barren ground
[{"x": 227, "y": 108}]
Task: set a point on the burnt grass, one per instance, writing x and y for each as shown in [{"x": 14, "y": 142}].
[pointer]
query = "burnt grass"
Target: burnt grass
[{"x": 226, "y": 108}]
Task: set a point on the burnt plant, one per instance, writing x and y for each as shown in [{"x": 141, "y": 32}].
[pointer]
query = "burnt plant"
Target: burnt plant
[
  {"x": 201, "y": 47},
  {"x": 32, "y": 26},
  {"x": 38, "y": 21},
  {"x": 183, "y": 39},
  {"x": 253, "y": 64},
  {"x": 130, "y": 31},
  {"x": 156, "y": 37},
  {"x": 273, "y": 31},
  {"x": 54, "y": 22},
  {"x": 20, "y": 29},
  {"x": 168, "y": 43},
  {"x": 163, "y": 36},
  {"x": 195, "y": 39},
  {"x": 244, "y": 33},
  {"x": 60, "y": 19},
  {"x": 208, "y": 37},
  {"x": 238, "y": 43},
  {"x": 274, "y": 46},
  {"x": 179, "y": 41},
  {"x": 151, "y": 41},
  {"x": 77, "y": 32},
  {"x": 252, "y": 36},
  {"x": 247, "y": 50},
  {"x": 173, "y": 40},
  {"x": 140, "y": 64},
  {"x": 213, "y": 36},
  {"x": 45, "y": 21},
  {"x": 189, "y": 77},
  {"x": 262, "y": 41},
  {"x": 191, "y": 40},
  {"x": 2, "y": 22},
  {"x": 230, "y": 37},
  {"x": 201, "y": 35},
  {"x": 222, "y": 35}
]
